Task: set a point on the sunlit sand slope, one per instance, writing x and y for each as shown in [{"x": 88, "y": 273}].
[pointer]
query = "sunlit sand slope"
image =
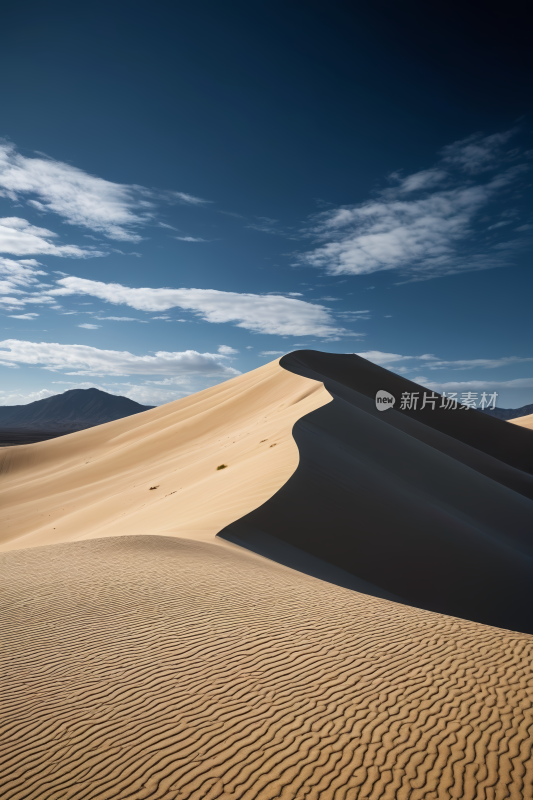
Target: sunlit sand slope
[
  {"x": 524, "y": 422},
  {"x": 156, "y": 667},
  {"x": 433, "y": 506},
  {"x": 97, "y": 482}
]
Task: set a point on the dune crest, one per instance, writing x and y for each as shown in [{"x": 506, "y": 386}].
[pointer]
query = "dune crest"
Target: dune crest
[
  {"x": 524, "y": 422},
  {"x": 180, "y": 666},
  {"x": 97, "y": 482},
  {"x": 433, "y": 506}
]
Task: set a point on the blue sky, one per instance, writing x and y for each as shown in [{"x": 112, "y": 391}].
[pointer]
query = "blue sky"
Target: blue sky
[{"x": 188, "y": 191}]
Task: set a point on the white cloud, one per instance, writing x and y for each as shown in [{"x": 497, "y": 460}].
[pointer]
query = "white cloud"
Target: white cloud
[
  {"x": 20, "y": 238},
  {"x": 423, "y": 226},
  {"x": 15, "y": 274},
  {"x": 377, "y": 357},
  {"x": 476, "y": 153},
  {"x": 23, "y": 316},
  {"x": 16, "y": 277},
  {"x": 433, "y": 363},
  {"x": 89, "y": 326},
  {"x": 85, "y": 360},
  {"x": 354, "y": 316},
  {"x": 120, "y": 319},
  {"x": 272, "y": 353},
  {"x": 417, "y": 235},
  {"x": 20, "y": 399},
  {"x": 113, "y": 209},
  {"x": 146, "y": 394},
  {"x": 188, "y": 199},
  {"x": 485, "y": 385},
  {"x": 284, "y": 316},
  {"x": 226, "y": 350},
  {"x": 189, "y": 239},
  {"x": 424, "y": 179},
  {"x": 473, "y": 363},
  {"x": 152, "y": 395}
]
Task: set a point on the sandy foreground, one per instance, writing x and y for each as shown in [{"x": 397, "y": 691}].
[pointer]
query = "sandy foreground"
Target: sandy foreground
[
  {"x": 144, "y": 667},
  {"x": 180, "y": 665}
]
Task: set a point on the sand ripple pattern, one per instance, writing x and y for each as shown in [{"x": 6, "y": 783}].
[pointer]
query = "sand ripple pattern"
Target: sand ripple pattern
[{"x": 154, "y": 667}]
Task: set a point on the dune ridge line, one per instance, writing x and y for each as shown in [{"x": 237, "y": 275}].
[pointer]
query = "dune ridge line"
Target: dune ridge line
[{"x": 97, "y": 482}]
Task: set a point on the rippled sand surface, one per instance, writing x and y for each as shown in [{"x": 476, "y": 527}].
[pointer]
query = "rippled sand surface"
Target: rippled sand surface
[
  {"x": 146, "y": 657},
  {"x": 158, "y": 667}
]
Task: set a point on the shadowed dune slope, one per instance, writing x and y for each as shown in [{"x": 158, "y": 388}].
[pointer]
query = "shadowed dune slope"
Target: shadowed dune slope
[
  {"x": 432, "y": 506},
  {"x": 97, "y": 482},
  {"x": 157, "y": 667}
]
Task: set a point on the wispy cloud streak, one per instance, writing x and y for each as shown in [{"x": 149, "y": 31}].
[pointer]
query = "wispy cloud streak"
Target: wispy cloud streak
[
  {"x": 432, "y": 362},
  {"x": 115, "y": 210},
  {"x": 284, "y": 316},
  {"x": 18, "y": 237},
  {"x": 425, "y": 224},
  {"x": 79, "y": 359}
]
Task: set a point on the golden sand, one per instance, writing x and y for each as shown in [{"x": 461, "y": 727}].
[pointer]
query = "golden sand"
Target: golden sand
[
  {"x": 98, "y": 482},
  {"x": 159, "y": 667},
  {"x": 177, "y": 665},
  {"x": 524, "y": 422}
]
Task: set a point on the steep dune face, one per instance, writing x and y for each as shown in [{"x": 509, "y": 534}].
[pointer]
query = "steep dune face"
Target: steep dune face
[
  {"x": 156, "y": 667},
  {"x": 434, "y": 507},
  {"x": 97, "y": 482}
]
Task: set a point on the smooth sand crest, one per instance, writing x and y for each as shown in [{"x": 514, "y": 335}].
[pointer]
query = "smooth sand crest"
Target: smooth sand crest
[
  {"x": 97, "y": 482},
  {"x": 430, "y": 507},
  {"x": 524, "y": 422},
  {"x": 156, "y": 667}
]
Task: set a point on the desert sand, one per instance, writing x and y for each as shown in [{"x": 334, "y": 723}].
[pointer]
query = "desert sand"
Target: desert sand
[
  {"x": 524, "y": 422},
  {"x": 148, "y": 657},
  {"x": 97, "y": 482},
  {"x": 414, "y": 502}
]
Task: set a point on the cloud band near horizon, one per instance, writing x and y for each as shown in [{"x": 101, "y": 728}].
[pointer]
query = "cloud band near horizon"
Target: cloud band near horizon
[
  {"x": 91, "y": 361},
  {"x": 268, "y": 314}
]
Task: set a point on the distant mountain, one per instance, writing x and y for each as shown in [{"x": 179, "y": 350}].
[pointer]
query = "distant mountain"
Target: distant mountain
[
  {"x": 75, "y": 409},
  {"x": 509, "y": 413}
]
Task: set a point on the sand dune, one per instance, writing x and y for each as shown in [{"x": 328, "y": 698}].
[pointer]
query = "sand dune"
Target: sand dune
[
  {"x": 432, "y": 506},
  {"x": 147, "y": 657},
  {"x": 156, "y": 667},
  {"x": 97, "y": 482},
  {"x": 524, "y": 422}
]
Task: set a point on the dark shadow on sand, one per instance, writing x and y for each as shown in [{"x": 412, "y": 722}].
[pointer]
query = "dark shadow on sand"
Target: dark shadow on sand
[{"x": 432, "y": 507}]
